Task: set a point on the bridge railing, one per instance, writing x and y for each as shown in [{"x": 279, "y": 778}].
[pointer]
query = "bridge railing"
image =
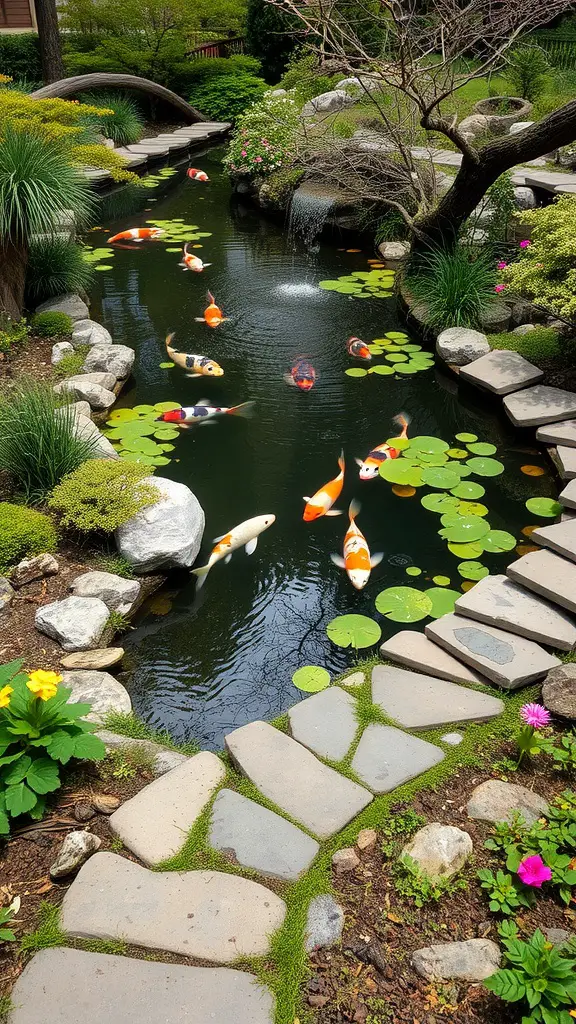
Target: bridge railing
[{"x": 218, "y": 48}]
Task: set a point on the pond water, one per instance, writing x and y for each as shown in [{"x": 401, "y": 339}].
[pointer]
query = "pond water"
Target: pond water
[{"x": 204, "y": 663}]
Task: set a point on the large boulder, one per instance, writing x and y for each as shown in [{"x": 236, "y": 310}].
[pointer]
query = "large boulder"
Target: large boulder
[
  {"x": 165, "y": 535},
  {"x": 71, "y": 304},
  {"x": 495, "y": 800},
  {"x": 85, "y": 390},
  {"x": 559, "y": 691},
  {"x": 474, "y": 126},
  {"x": 439, "y": 850},
  {"x": 118, "y": 593},
  {"x": 461, "y": 345},
  {"x": 327, "y": 102},
  {"x": 86, "y": 428},
  {"x": 116, "y": 359},
  {"x": 524, "y": 197},
  {"x": 88, "y": 332},
  {"x": 77, "y": 623},
  {"x": 98, "y": 689},
  {"x": 358, "y": 86},
  {"x": 473, "y": 960},
  {"x": 105, "y": 380}
]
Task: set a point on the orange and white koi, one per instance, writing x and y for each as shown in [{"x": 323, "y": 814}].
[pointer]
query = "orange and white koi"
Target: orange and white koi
[
  {"x": 191, "y": 262},
  {"x": 302, "y": 374},
  {"x": 357, "y": 560},
  {"x": 201, "y": 366},
  {"x": 188, "y": 415},
  {"x": 357, "y": 348},
  {"x": 197, "y": 175},
  {"x": 245, "y": 535},
  {"x": 137, "y": 235},
  {"x": 212, "y": 314},
  {"x": 320, "y": 504},
  {"x": 370, "y": 465}
]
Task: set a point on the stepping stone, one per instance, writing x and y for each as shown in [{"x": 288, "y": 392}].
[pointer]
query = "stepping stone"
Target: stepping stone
[
  {"x": 416, "y": 701},
  {"x": 104, "y": 989},
  {"x": 162, "y": 759},
  {"x": 206, "y": 914},
  {"x": 387, "y": 757},
  {"x": 566, "y": 460},
  {"x": 560, "y": 537},
  {"x": 501, "y": 372},
  {"x": 155, "y": 823},
  {"x": 96, "y": 174},
  {"x": 173, "y": 141},
  {"x": 497, "y": 601},
  {"x": 258, "y": 838},
  {"x": 132, "y": 159},
  {"x": 105, "y": 657},
  {"x": 547, "y": 574},
  {"x": 558, "y": 433},
  {"x": 285, "y": 772},
  {"x": 568, "y": 496},
  {"x": 508, "y": 660},
  {"x": 415, "y": 650},
  {"x": 100, "y": 690},
  {"x": 151, "y": 149},
  {"x": 540, "y": 404},
  {"x": 325, "y": 723}
]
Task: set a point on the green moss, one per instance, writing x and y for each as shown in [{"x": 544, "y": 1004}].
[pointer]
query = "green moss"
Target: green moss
[
  {"x": 282, "y": 723},
  {"x": 541, "y": 344},
  {"x": 51, "y": 325},
  {"x": 24, "y": 532},
  {"x": 115, "y": 947},
  {"x": 128, "y": 724},
  {"x": 6, "y": 1007},
  {"x": 281, "y": 184},
  {"x": 72, "y": 364},
  {"x": 48, "y": 932}
]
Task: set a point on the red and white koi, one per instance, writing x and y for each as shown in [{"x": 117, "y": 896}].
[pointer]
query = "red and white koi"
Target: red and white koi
[
  {"x": 192, "y": 262},
  {"x": 357, "y": 561},
  {"x": 137, "y": 235},
  {"x": 197, "y": 175},
  {"x": 370, "y": 465},
  {"x": 320, "y": 504},
  {"x": 188, "y": 415},
  {"x": 244, "y": 535},
  {"x": 357, "y": 349},
  {"x": 212, "y": 314},
  {"x": 200, "y": 366}
]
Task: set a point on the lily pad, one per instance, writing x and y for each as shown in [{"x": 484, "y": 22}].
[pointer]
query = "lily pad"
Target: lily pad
[
  {"x": 403, "y": 491},
  {"x": 122, "y": 416},
  {"x": 399, "y": 443},
  {"x": 403, "y": 604},
  {"x": 463, "y": 529},
  {"x": 353, "y": 631},
  {"x": 440, "y": 503},
  {"x": 424, "y": 443},
  {"x": 482, "y": 449},
  {"x": 473, "y": 570},
  {"x": 457, "y": 453},
  {"x": 166, "y": 406},
  {"x": 471, "y": 508},
  {"x": 547, "y": 508},
  {"x": 407, "y": 368},
  {"x": 441, "y": 581},
  {"x": 396, "y": 334},
  {"x": 441, "y": 601},
  {"x": 166, "y": 434},
  {"x": 166, "y": 366},
  {"x": 497, "y": 541},
  {"x": 396, "y": 357},
  {"x": 468, "y": 490},
  {"x": 472, "y": 550},
  {"x": 413, "y": 570},
  {"x": 441, "y": 477},
  {"x": 399, "y": 471},
  {"x": 466, "y": 438},
  {"x": 143, "y": 410},
  {"x": 382, "y": 371},
  {"x": 485, "y": 467},
  {"x": 356, "y": 371},
  {"x": 311, "y": 678}
]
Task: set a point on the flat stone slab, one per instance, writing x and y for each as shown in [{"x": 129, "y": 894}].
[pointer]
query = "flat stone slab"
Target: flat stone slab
[
  {"x": 174, "y": 141},
  {"x": 547, "y": 574},
  {"x": 258, "y": 838},
  {"x": 132, "y": 159},
  {"x": 415, "y": 650},
  {"x": 560, "y": 537},
  {"x": 155, "y": 823},
  {"x": 568, "y": 496},
  {"x": 501, "y": 372},
  {"x": 150, "y": 148},
  {"x": 325, "y": 723},
  {"x": 100, "y": 690},
  {"x": 540, "y": 404},
  {"x": 416, "y": 701},
  {"x": 472, "y": 960},
  {"x": 204, "y": 914},
  {"x": 508, "y": 660},
  {"x": 563, "y": 432},
  {"x": 498, "y": 601},
  {"x": 104, "y": 989},
  {"x": 387, "y": 757},
  {"x": 566, "y": 460},
  {"x": 105, "y": 657},
  {"x": 288, "y": 774}
]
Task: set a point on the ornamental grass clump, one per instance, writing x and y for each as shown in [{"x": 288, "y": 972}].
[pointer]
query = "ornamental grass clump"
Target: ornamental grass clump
[
  {"x": 455, "y": 286},
  {"x": 119, "y": 118},
  {"x": 103, "y": 494},
  {"x": 56, "y": 265}
]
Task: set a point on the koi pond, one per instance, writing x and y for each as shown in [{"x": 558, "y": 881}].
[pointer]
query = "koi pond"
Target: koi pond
[{"x": 449, "y": 509}]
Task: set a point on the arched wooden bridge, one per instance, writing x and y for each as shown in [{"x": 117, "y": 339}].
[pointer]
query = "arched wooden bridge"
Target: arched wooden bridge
[{"x": 81, "y": 83}]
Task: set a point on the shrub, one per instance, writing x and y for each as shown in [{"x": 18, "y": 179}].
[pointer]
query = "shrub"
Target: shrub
[
  {"x": 12, "y": 332},
  {"x": 270, "y": 36},
  {"x": 38, "y": 442},
  {"x": 103, "y": 494},
  {"x": 527, "y": 71},
  {"x": 73, "y": 363},
  {"x": 540, "y": 976},
  {"x": 51, "y": 325},
  {"x": 20, "y": 56},
  {"x": 56, "y": 265},
  {"x": 546, "y": 268},
  {"x": 539, "y": 345},
  {"x": 23, "y": 532},
  {"x": 124, "y": 125},
  {"x": 456, "y": 286},
  {"x": 303, "y": 76},
  {"x": 264, "y": 136},
  {"x": 281, "y": 185},
  {"x": 229, "y": 96}
]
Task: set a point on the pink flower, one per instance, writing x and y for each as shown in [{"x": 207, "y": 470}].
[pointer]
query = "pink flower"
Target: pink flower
[
  {"x": 499, "y": 287},
  {"x": 243, "y": 153},
  {"x": 501, "y": 265},
  {"x": 257, "y": 159},
  {"x": 533, "y": 871},
  {"x": 535, "y": 715},
  {"x": 525, "y": 243}
]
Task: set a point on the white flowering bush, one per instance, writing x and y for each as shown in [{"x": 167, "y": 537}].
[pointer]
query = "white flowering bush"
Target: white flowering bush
[{"x": 264, "y": 136}]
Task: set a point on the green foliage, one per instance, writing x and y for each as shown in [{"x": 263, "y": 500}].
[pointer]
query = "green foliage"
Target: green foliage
[
  {"x": 537, "y": 346},
  {"x": 391, "y": 227},
  {"x": 545, "y": 270},
  {"x": 229, "y": 96},
  {"x": 398, "y": 826},
  {"x": 125, "y": 125},
  {"x": 20, "y": 56},
  {"x": 527, "y": 71},
  {"x": 455, "y": 286},
  {"x": 542, "y": 977},
  {"x": 55, "y": 266},
  {"x": 12, "y": 332},
  {"x": 502, "y": 206},
  {"x": 102, "y": 494},
  {"x": 51, "y": 325},
  {"x": 39, "y": 731},
  {"x": 411, "y": 882},
  {"x": 7, "y": 916},
  {"x": 114, "y": 563},
  {"x": 200, "y": 71},
  {"x": 264, "y": 136},
  {"x": 73, "y": 363},
  {"x": 564, "y": 755},
  {"x": 23, "y": 532},
  {"x": 506, "y": 894},
  {"x": 126, "y": 762},
  {"x": 303, "y": 75},
  {"x": 282, "y": 184},
  {"x": 48, "y": 932},
  {"x": 270, "y": 36},
  {"x": 38, "y": 442},
  {"x": 117, "y": 623},
  {"x": 128, "y": 724}
]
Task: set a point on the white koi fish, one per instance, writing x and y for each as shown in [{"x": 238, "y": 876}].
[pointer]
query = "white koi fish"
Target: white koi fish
[{"x": 244, "y": 535}]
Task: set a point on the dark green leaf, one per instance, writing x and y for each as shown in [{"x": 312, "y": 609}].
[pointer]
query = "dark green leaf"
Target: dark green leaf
[
  {"x": 507, "y": 984},
  {"x": 19, "y": 799},
  {"x": 42, "y": 776},
  {"x": 18, "y": 771},
  {"x": 61, "y": 746},
  {"x": 90, "y": 747}
]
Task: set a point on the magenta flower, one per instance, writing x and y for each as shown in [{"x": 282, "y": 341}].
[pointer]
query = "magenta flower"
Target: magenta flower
[
  {"x": 525, "y": 243},
  {"x": 535, "y": 715},
  {"x": 243, "y": 153},
  {"x": 533, "y": 871},
  {"x": 258, "y": 159},
  {"x": 501, "y": 265},
  {"x": 499, "y": 287}
]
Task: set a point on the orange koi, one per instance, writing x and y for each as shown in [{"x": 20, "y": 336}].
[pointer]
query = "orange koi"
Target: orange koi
[
  {"x": 358, "y": 349},
  {"x": 302, "y": 374},
  {"x": 191, "y": 262},
  {"x": 370, "y": 465},
  {"x": 212, "y": 314},
  {"x": 320, "y": 504},
  {"x": 357, "y": 561},
  {"x": 197, "y": 175},
  {"x": 137, "y": 235}
]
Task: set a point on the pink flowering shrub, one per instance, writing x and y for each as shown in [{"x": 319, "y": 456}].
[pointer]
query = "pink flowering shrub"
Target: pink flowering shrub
[{"x": 264, "y": 137}]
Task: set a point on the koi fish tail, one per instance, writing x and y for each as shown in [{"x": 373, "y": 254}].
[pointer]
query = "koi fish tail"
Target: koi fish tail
[
  {"x": 403, "y": 421},
  {"x": 170, "y": 350},
  {"x": 210, "y": 298},
  {"x": 201, "y": 575},
  {"x": 341, "y": 462},
  {"x": 186, "y": 244},
  {"x": 246, "y": 410},
  {"x": 354, "y": 509}
]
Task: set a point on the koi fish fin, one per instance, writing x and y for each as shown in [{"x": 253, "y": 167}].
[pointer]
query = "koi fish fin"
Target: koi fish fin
[
  {"x": 250, "y": 547},
  {"x": 338, "y": 560},
  {"x": 341, "y": 461},
  {"x": 191, "y": 376},
  {"x": 334, "y": 512},
  {"x": 185, "y": 250},
  {"x": 207, "y": 423},
  {"x": 199, "y": 319},
  {"x": 227, "y": 559},
  {"x": 169, "y": 338},
  {"x": 403, "y": 421},
  {"x": 246, "y": 410},
  {"x": 289, "y": 379},
  {"x": 376, "y": 558},
  {"x": 201, "y": 575},
  {"x": 204, "y": 265},
  {"x": 209, "y": 298},
  {"x": 359, "y": 462},
  {"x": 354, "y": 508},
  {"x": 306, "y": 497}
]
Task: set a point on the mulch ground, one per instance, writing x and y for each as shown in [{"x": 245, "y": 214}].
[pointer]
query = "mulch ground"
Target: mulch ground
[{"x": 32, "y": 358}]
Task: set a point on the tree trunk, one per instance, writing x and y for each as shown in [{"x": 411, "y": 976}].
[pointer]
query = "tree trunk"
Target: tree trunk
[
  {"x": 13, "y": 262},
  {"x": 50, "y": 42}
]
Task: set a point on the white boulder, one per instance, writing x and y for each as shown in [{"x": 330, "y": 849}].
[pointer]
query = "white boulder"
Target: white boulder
[
  {"x": 165, "y": 535},
  {"x": 439, "y": 850},
  {"x": 77, "y": 623},
  {"x": 88, "y": 332},
  {"x": 461, "y": 345},
  {"x": 327, "y": 102},
  {"x": 71, "y": 304},
  {"x": 59, "y": 350},
  {"x": 118, "y": 593},
  {"x": 85, "y": 390},
  {"x": 116, "y": 359}
]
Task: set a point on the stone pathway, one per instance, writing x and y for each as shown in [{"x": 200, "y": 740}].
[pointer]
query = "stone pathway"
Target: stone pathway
[
  {"x": 418, "y": 701},
  {"x": 501, "y": 372},
  {"x": 561, "y": 538},
  {"x": 150, "y": 149},
  {"x": 547, "y": 574},
  {"x": 563, "y": 433},
  {"x": 539, "y": 405},
  {"x": 498, "y": 601}
]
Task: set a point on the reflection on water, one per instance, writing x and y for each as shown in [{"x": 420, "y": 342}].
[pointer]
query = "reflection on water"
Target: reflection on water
[{"x": 203, "y": 664}]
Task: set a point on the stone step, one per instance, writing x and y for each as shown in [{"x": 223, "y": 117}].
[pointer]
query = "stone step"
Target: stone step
[
  {"x": 568, "y": 496},
  {"x": 416, "y": 651},
  {"x": 209, "y": 915},
  {"x": 498, "y": 601},
  {"x": 288, "y": 774},
  {"x": 387, "y": 757},
  {"x": 132, "y": 159},
  {"x": 508, "y": 660},
  {"x": 417, "y": 701},
  {"x": 501, "y": 372},
  {"x": 162, "y": 758},
  {"x": 549, "y": 180},
  {"x": 150, "y": 149},
  {"x": 547, "y": 574},
  {"x": 325, "y": 723},
  {"x": 563, "y": 433},
  {"x": 259, "y": 839},
  {"x": 64, "y": 986},
  {"x": 155, "y": 823},
  {"x": 560, "y": 537},
  {"x": 565, "y": 459},
  {"x": 172, "y": 141},
  {"x": 539, "y": 405}
]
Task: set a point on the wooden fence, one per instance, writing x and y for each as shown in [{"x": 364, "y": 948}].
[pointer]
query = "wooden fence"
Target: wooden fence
[{"x": 218, "y": 48}]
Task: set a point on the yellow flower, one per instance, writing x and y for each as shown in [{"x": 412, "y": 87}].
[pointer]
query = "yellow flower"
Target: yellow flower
[
  {"x": 5, "y": 696},
  {"x": 43, "y": 684},
  {"x": 572, "y": 1013}
]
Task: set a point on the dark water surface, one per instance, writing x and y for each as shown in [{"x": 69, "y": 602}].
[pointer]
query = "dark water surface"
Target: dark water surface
[{"x": 223, "y": 658}]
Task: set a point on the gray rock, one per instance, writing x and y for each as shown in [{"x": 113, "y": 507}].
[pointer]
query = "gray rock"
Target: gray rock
[
  {"x": 557, "y": 936},
  {"x": 122, "y": 989},
  {"x": 461, "y": 345},
  {"x": 59, "y": 350},
  {"x": 88, "y": 332},
  {"x": 277, "y": 92},
  {"x": 387, "y": 757},
  {"x": 105, "y": 380},
  {"x": 439, "y": 850},
  {"x": 118, "y": 593},
  {"x": 81, "y": 409},
  {"x": 289, "y": 775},
  {"x": 508, "y": 660},
  {"x": 524, "y": 329},
  {"x": 30, "y": 569},
  {"x": 97, "y": 396},
  {"x": 524, "y": 197},
  {"x": 367, "y": 838},
  {"x": 205, "y": 914},
  {"x": 473, "y": 960},
  {"x": 105, "y": 803},
  {"x": 568, "y": 495},
  {"x": 324, "y": 922},
  {"x": 496, "y": 318},
  {"x": 354, "y": 680},
  {"x": 77, "y": 623},
  {"x": 453, "y": 739},
  {"x": 539, "y": 405},
  {"x": 519, "y": 126},
  {"x": 393, "y": 253},
  {"x": 74, "y": 852},
  {"x": 498, "y": 601},
  {"x": 501, "y": 372},
  {"x": 69, "y": 303},
  {"x": 100, "y": 690},
  {"x": 326, "y": 102},
  {"x": 345, "y": 860},
  {"x": 500, "y": 801},
  {"x": 325, "y": 723},
  {"x": 359, "y": 84},
  {"x": 566, "y": 461},
  {"x": 547, "y": 574},
  {"x": 563, "y": 433},
  {"x": 97, "y": 660},
  {"x": 165, "y": 535},
  {"x": 559, "y": 691},
  {"x": 560, "y": 537},
  {"x": 416, "y": 651},
  {"x": 474, "y": 126},
  {"x": 88, "y": 430},
  {"x": 154, "y": 823},
  {"x": 162, "y": 759},
  {"x": 417, "y": 701},
  {"x": 116, "y": 359},
  {"x": 6, "y": 594}
]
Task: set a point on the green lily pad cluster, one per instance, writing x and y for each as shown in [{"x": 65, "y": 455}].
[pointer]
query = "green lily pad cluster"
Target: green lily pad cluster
[
  {"x": 401, "y": 357},
  {"x": 311, "y": 678},
  {"x": 154, "y": 180},
  {"x": 176, "y": 230},
  {"x": 138, "y": 436},
  {"x": 98, "y": 258},
  {"x": 364, "y": 284},
  {"x": 353, "y": 631},
  {"x": 406, "y": 604},
  {"x": 547, "y": 508}
]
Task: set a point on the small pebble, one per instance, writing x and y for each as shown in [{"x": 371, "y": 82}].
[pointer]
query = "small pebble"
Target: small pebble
[
  {"x": 345, "y": 860},
  {"x": 105, "y": 803},
  {"x": 367, "y": 838},
  {"x": 84, "y": 811}
]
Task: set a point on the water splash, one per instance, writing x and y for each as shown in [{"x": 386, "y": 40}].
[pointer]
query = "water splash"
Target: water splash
[
  {"x": 309, "y": 211},
  {"x": 297, "y": 291}
]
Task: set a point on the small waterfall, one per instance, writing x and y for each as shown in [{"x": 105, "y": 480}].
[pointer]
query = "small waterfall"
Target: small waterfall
[{"x": 309, "y": 211}]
